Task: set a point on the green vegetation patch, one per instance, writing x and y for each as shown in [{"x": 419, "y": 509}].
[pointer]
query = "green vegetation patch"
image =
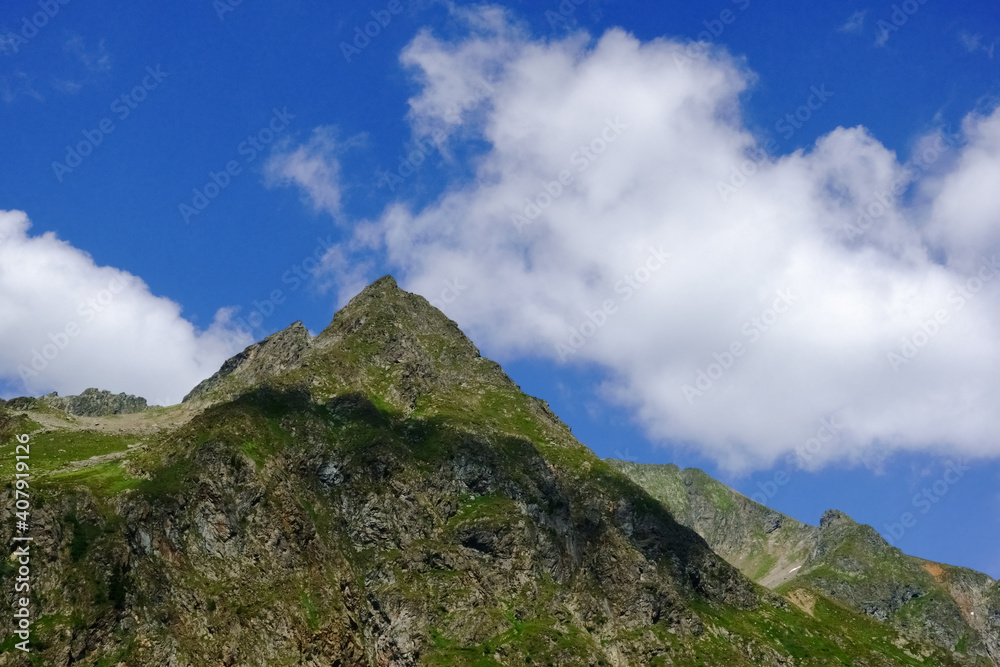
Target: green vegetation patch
[
  {"x": 491, "y": 507},
  {"x": 312, "y": 614},
  {"x": 103, "y": 479},
  {"x": 760, "y": 566},
  {"x": 53, "y": 450},
  {"x": 83, "y": 535},
  {"x": 539, "y": 641},
  {"x": 168, "y": 480}
]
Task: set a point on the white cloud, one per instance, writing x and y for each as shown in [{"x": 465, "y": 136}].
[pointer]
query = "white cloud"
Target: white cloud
[
  {"x": 314, "y": 167},
  {"x": 67, "y": 86},
  {"x": 69, "y": 324},
  {"x": 16, "y": 84},
  {"x": 964, "y": 215},
  {"x": 94, "y": 59},
  {"x": 456, "y": 77},
  {"x": 855, "y": 23},
  {"x": 646, "y": 136},
  {"x": 8, "y": 43},
  {"x": 973, "y": 43}
]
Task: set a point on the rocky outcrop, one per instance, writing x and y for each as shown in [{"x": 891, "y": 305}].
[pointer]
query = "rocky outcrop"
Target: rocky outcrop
[
  {"x": 11, "y": 423},
  {"x": 96, "y": 403},
  {"x": 276, "y": 353},
  {"x": 20, "y": 403},
  {"x": 834, "y": 518},
  {"x": 978, "y": 599}
]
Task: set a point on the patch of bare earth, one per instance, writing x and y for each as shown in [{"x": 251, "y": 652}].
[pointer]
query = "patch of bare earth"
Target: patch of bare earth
[
  {"x": 802, "y": 599},
  {"x": 934, "y": 570}
]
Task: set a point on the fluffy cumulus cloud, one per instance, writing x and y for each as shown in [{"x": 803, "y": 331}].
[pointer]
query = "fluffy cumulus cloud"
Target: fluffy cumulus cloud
[
  {"x": 69, "y": 324},
  {"x": 623, "y": 215}
]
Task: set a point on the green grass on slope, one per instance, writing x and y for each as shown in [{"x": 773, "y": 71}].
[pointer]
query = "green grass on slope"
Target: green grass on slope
[
  {"x": 542, "y": 639},
  {"x": 832, "y": 635},
  {"x": 55, "y": 449},
  {"x": 51, "y": 454},
  {"x": 663, "y": 482}
]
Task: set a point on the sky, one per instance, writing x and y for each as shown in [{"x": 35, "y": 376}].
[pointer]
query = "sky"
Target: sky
[{"x": 761, "y": 239}]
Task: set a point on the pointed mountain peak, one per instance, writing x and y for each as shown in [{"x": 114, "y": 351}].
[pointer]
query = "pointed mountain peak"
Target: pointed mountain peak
[
  {"x": 382, "y": 292},
  {"x": 385, "y": 283},
  {"x": 395, "y": 344},
  {"x": 395, "y": 348},
  {"x": 835, "y": 518},
  {"x": 383, "y": 317},
  {"x": 278, "y": 352},
  {"x": 385, "y": 340},
  {"x": 383, "y": 301}
]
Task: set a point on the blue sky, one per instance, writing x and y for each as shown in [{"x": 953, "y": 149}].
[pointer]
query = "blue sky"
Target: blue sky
[{"x": 177, "y": 168}]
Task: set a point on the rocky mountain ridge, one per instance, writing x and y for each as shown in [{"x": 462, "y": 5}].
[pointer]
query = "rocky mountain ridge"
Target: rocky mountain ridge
[
  {"x": 840, "y": 559},
  {"x": 90, "y": 403}
]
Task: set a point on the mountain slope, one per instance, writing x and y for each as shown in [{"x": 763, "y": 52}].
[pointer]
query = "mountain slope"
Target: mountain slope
[
  {"x": 955, "y": 608},
  {"x": 380, "y": 495}
]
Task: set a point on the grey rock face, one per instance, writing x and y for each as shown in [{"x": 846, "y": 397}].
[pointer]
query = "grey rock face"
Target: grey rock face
[
  {"x": 97, "y": 403},
  {"x": 278, "y": 352},
  {"x": 833, "y": 518}
]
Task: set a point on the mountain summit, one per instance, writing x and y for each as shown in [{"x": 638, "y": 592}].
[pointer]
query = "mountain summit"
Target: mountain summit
[
  {"x": 384, "y": 340},
  {"x": 381, "y": 494}
]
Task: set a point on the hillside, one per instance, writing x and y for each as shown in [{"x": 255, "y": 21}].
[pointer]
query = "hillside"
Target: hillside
[{"x": 952, "y": 607}]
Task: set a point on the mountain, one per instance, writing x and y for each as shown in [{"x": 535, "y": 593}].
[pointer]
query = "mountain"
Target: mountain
[
  {"x": 380, "y": 494},
  {"x": 838, "y": 560}
]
